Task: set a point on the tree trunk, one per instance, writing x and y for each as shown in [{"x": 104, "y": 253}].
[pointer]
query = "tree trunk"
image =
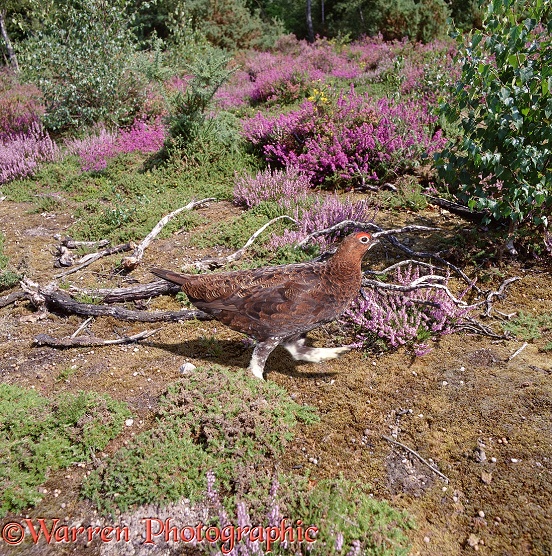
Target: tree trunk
[
  {"x": 11, "y": 53},
  {"x": 310, "y": 29}
]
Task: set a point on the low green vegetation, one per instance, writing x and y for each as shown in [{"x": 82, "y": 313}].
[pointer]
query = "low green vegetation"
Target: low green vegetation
[
  {"x": 228, "y": 422},
  {"x": 529, "y": 327},
  {"x": 8, "y": 278},
  {"x": 39, "y": 436}
]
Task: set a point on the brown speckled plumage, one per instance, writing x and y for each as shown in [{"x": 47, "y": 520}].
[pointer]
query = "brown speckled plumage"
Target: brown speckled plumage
[{"x": 280, "y": 304}]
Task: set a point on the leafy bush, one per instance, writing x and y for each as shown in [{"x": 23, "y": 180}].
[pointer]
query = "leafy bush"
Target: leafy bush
[
  {"x": 80, "y": 62},
  {"x": 21, "y": 153},
  {"x": 349, "y": 140},
  {"x": 190, "y": 122},
  {"x": 38, "y": 436},
  {"x": 214, "y": 419},
  {"x": 503, "y": 103}
]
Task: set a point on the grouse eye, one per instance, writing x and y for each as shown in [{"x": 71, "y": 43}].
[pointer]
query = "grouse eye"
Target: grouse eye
[{"x": 364, "y": 239}]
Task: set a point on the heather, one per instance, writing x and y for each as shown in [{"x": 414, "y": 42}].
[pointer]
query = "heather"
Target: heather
[
  {"x": 95, "y": 150},
  {"x": 21, "y": 153},
  {"x": 350, "y": 139},
  {"x": 318, "y": 213},
  {"x": 408, "y": 318},
  {"x": 375, "y": 529},
  {"x": 20, "y": 105},
  {"x": 270, "y": 185},
  {"x": 287, "y": 73}
]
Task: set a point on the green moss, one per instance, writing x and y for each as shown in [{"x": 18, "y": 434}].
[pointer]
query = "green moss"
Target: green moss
[{"x": 38, "y": 436}]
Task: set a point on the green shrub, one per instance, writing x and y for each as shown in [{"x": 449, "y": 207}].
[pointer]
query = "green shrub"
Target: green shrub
[
  {"x": 38, "y": 436},
  {"x": 228, "y": 422},
  {"x": 80, "y": 63},
  {"x": 502, "y": 163},
  {"x": 190, "y": 123}
]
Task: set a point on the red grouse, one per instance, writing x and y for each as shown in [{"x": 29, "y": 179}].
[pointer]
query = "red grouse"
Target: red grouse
[{"x": 280, "y": 304}]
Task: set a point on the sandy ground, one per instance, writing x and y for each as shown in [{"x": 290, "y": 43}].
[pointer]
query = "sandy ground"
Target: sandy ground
[{"x": 482, "y": 419}]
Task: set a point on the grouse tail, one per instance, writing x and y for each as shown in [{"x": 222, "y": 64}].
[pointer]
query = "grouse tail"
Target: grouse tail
[{"x": 170, "y": 276}]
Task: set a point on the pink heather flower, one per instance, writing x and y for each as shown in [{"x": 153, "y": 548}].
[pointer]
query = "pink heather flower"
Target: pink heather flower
[
  {"x": 269, "y": 185},
  {"x": 401, "y": 317},
  {"x": 21, "y": 153},
  {"x": 95, "y": 150},
  {"x": 322, "y": 213},
  {"x": 353, "y": 140}
]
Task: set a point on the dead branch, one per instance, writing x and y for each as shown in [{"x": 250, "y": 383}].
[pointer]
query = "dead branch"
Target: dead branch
[
  {"x": 425, "y": 462},
  {"x": 92, "y": 257},
  {"x": 408, "y": 262},
  {"x": 12, "y": 298},
  {"x": 90, "y": 341},
  {"x": 131, "y": 262},
  {"x": 50, "y": 298},
  {"x": 525, "y": 344},
  {"x": 71, "y": 243},
  {"x": 133, "y": 293},
  {"x": 368, "y": 226},
  {"x": 471, "y": 325},
  {"x": 208, "y": 264},
  {"x": 82, "y": 327},
  {"x": 499, "y": 293}
]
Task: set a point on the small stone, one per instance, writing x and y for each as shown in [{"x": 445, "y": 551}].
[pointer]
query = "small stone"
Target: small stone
[
  {"x": 493, "y": 460},
  {"x": 473, "y": 540},
  {"x": 445, "y": 383},
  {"x": 129, "y": 422},
  {"x": 514, "y": 460},
  {"x": 426, "y": 539},
  {"x": 486, "y": 477},
  {"x": 187, "y": 368},
  {"x": 481, "y": 513}
]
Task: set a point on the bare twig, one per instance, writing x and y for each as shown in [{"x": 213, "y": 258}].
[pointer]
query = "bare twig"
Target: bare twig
[
  {"x": 82, "y": 327},
  {"x": 207, "y": 264},
  {"x": 90, "y": 341},
  {"x": 436, "y": 471},
  {"x": 92, "y": 257},
  {"x": 525, "y": 344},
  {"x": 368, "y": 226},
  {"x": 131, "y": 262},
  {"x": 499, "y": 293},
  {"x": 71, "y": 243}
]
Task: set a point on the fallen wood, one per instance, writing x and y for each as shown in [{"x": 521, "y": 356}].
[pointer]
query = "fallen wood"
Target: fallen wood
[
  {"x": 57, "y": 301},
  {"x": 133, "y": 293},
  {"x": 51, "y": 298},
  {"x": 131, "y": 262},
  {"x": 410, "y": 450},
  {"x": 208, "y": 264},
  {"x": 92, "y": 257},
  {"x": 90, "y": 341},
  {"x": 12, "y": 298}
]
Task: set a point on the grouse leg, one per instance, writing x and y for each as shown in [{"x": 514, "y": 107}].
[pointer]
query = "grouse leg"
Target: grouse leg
[
  {"x": 300, "y": 352},
  {"x": 260, "y": 355}
]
